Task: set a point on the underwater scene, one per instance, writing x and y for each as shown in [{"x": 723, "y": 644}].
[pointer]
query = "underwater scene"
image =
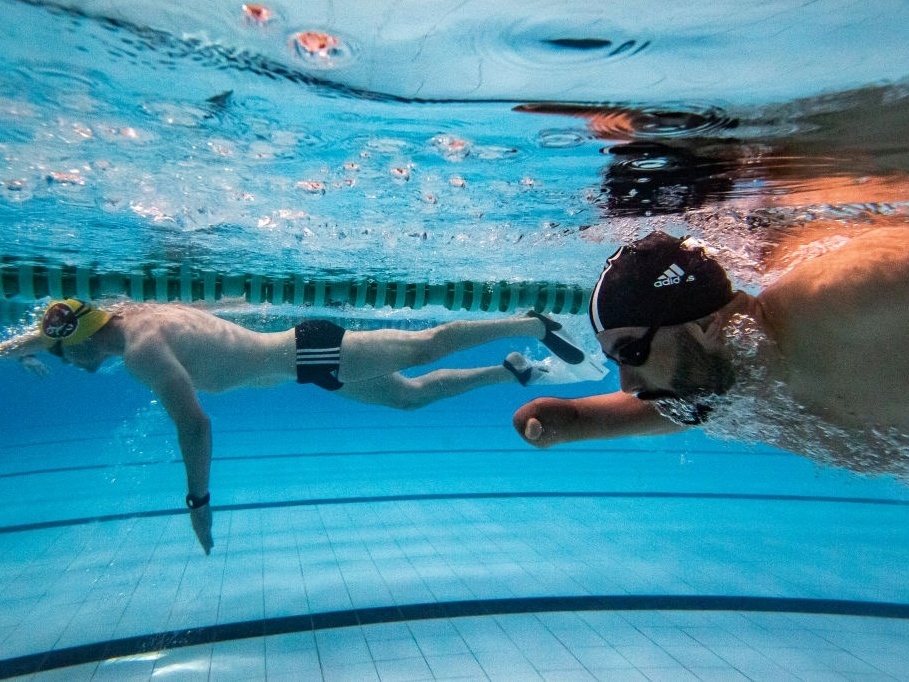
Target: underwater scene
[{"x": 600, "y": 312}]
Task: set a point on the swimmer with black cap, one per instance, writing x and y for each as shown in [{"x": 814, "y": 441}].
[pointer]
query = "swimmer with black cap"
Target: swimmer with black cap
[
  {"x": 657, "y": 310},
  {"x": 666, "y": 313},
  {"x": 661, "y": 282}
]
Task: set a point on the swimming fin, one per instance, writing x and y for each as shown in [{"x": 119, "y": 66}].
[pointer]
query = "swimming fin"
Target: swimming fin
[
  {"x": 558, "y": 341},
  {"x": 524, "y": 371}
]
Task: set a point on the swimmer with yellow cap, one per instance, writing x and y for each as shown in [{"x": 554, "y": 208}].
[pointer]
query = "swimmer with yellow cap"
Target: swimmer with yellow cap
[{"x": 68, "y": 322}]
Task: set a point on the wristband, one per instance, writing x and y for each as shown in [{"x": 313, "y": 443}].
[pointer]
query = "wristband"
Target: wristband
[{"x": 194, "y": 502}]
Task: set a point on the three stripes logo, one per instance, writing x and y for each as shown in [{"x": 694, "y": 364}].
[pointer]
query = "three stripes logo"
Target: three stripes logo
[
  {"x": 318, "y": 356},
  {"x": 672, "y": 275}
]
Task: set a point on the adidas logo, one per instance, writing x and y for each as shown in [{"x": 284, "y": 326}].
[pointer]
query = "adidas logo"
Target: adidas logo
[{"x": 672, "y": 275}]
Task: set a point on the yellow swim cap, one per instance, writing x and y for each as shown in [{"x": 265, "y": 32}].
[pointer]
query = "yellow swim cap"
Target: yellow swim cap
[{"x": 70, "y": 322}]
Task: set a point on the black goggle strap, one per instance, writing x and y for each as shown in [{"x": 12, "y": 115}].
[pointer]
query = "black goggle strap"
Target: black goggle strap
[{"x": 83, "y": 309}]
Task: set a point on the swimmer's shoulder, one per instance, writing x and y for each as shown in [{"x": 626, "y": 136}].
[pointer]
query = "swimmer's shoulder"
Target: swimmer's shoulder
[
  {"x": 866, "y": 260},
  {"x": 842, "y": 294}
]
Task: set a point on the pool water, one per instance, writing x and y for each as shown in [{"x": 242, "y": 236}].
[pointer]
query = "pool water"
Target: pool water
[{"x": 151, "y": 150}]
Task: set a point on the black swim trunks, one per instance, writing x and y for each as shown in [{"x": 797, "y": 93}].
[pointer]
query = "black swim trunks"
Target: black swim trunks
[{"x": 319, "y": 353}]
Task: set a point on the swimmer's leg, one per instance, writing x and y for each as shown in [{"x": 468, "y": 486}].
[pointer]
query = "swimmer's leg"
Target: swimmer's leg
[
  {"x": 369, "y": 354},
  {"x": 410, "y": 393}
]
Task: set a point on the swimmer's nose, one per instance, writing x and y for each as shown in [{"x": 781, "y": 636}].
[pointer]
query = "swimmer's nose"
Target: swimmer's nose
[{"x": 628, "y": 381}]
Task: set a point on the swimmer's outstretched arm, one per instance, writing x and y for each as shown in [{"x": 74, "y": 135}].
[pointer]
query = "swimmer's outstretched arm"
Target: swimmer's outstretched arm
[
  {"x": 19, "y": 346},
  {"x": 154, "y": 364},
  {"x": 547, "y": 421},
  {"x": 24, "y": 348}
]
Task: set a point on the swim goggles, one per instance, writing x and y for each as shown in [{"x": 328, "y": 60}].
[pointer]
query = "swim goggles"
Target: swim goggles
[{"x": 633, "y": 352}]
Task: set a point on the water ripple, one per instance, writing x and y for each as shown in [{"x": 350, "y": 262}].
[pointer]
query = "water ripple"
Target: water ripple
[{"x": 624, "y": 123}]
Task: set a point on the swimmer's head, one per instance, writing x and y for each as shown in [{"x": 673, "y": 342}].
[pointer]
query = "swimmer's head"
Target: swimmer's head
[
  {"x": 68, "y": 322},
  {"x": 658, "y": 281}
]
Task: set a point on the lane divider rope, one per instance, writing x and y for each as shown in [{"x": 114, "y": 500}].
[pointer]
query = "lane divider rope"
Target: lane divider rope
[{"x": 186, "y": 283}]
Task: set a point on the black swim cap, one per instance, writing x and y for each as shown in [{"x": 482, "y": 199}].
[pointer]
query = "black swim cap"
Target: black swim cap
[{"x": 657, "y": 281}]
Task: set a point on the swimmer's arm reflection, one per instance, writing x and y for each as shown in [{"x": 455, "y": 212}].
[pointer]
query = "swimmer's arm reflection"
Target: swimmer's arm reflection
[
  {"x": 548, "y": 421},
  {"x": 156, "y": 366}
]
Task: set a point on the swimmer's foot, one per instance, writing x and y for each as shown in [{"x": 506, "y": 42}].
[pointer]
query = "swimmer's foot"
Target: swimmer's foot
[
  {"x": 558, "y": 341},
  {"x": 524, "y": 371}
]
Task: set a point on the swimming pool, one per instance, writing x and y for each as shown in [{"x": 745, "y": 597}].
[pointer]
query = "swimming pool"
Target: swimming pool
[{"x": 403, "y": 164}]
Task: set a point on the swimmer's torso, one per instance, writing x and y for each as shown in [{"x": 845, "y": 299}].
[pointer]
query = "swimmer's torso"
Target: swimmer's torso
[
  {"x": 841, "y": 322},
  {"x": 217, "y": 354}
]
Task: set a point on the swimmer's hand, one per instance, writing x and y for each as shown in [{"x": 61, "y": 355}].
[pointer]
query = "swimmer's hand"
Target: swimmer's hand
[
  {"x": 201, "y": 519},
  {"x": 546, "y": 421},
  {"x": 33, "y": 365}
]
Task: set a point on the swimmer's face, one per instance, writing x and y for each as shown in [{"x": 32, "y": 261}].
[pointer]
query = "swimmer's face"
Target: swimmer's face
[
  {"x": 85, "y": 355},
  {"x": 681, "y": 363},
  {"x": 655, "y": 372}
]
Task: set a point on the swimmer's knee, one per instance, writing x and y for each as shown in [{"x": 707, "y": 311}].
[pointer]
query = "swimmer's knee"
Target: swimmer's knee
[
  {"x": 411, "y": 405},
  {"x": 410, "y": 401},
  {"x": 406, "y": 394},
  {"x": 425, "y": 346}
]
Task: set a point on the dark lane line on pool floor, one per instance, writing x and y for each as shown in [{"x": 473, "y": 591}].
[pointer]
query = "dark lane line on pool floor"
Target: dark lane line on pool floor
[{"x": 311, "y": 622}]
